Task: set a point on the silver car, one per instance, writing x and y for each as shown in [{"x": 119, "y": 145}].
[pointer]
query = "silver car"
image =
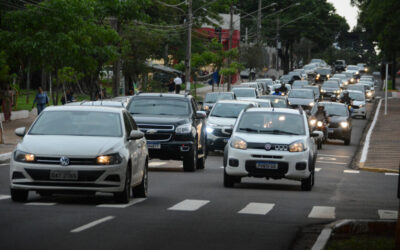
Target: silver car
[{"x": 80, "y": 149}]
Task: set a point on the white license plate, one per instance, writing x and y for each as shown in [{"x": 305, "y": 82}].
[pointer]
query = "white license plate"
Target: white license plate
[
  {"x": 63, "y": 175},
  {"x": 266, "y": 165},
  {"x": 153, "y": 145},
  {"x": 330, "y": 130}
]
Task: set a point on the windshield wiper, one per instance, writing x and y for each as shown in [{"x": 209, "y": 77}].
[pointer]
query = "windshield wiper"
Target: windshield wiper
[
  {"x": 249, "y": 129},
  {"x": 276, "y": 131}
]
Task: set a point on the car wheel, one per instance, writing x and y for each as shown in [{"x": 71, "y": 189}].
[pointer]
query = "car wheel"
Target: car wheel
[
  {"x": 201, "y": 162},
  {"x": 306, "y": 184},
  {"x": 347, "y": 141},
  {"x": 365, "y": 117},
  {"x": 190, "y": 160},
  {"x": 229, "y": 181},
  {"x": 319, "y": 144},
  {"x": 19, "y": 195},
  {"x": 141, "y": 190},
  {"x": 125, "y": 195}
]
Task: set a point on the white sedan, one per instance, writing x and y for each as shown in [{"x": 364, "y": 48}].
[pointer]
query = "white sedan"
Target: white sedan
[{"x": 80, "y": 149}]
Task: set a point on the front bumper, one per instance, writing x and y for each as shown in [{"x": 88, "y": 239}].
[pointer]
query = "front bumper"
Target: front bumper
[
  {"x": 94, "y": 178},
  {"x": 359, "y": 112},
  {"x": 172, "y": 150},
  {"x": 287, "y": 162},
  {"x": 216, "y": 142},
  {"x": 338, "y": 133}
]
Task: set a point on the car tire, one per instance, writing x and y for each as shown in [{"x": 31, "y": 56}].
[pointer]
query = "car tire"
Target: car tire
[
  {"x": 307, "y": 184},
  {"x": 190, "y": 160},
  {"x": 347, "y": 141},
  {"x": 201, "y": 162},
  {"x": 140, "y": 191},
  {"x": 19, "y": 195},
  {"x": 125, "y": 195},
  {"x": 365, "y": 117},
  {"x": 229, "y": 181},
  {"x": 319, "y": 144}
]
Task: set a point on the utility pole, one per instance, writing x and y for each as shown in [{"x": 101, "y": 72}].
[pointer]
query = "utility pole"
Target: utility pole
[
  {"x": 230, "y": 44},
  {"x": 259, "y": 22},
  {"x": 188, "y": 46},
  {"x": 278, "y": 44}
]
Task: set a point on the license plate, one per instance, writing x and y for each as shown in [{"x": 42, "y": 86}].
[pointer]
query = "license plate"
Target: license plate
[
  {"x": 266, "y": 165},
  {"x": 153, "y": 145},
  {"x": 63, "y": 175},
  {"x": 330, "y": 130}
]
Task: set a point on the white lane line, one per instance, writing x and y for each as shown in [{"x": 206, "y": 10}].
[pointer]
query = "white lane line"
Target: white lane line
[
  {"x": 392, "y": 174},
  {"x": 327, "y": 158},
  {"x": 364, "y": 153},
  {"x": 189, "y": 205},
  {"x": 321, "y": 212},
  {"x": 156, "y": 164},
  {"x": 4, "y": 164},
  {"x": 132, "y": 202},
  {"x": 387, "y": 214},
  {"x": 4, "y": 197},
  {"x": 257, "y": 208},
  {"x": 348, "y": 171},
  {"x": 221, "y": 167},
  {"x": 331, "y": 162},
  {"x": 317, "y": 169},
  {"x": 40, "y": 203},
  {"x": 92, "y": 224},
  {"x": 336, "y": 156}
]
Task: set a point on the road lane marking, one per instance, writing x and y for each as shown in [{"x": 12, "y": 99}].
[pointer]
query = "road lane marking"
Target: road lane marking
[
  {"x": 348, "y": 171},
  {"x": 364, "y": 153},
  {"x": 331, "y": 162},
  {"x": 336, "y": 156},
  {"x": 92, "y": 224},
  {"x": 321, "y": 212},
  {"x": 221, "y": 167},
  {"x": 4, "y": 197},
  {"x": 40, "y": 203},
  {"x": 189, "y": 205},
  {"x": 156, "y": 164},
  {"x": 132, "y": 202},
  {"x": 327, "y": 158},
  {"x": 317, "y": 169},
  {"x": 392, "y": 174},
  {"x": 257, "y": 208},
  {"x": 4, "y": 164},
  {"x": 387, "y": 214}
]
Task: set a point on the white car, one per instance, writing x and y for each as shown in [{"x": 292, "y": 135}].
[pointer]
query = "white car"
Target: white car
[
  {"x": 359, "y": 103},
  {"x": 256, "y": 85},
  {"x": 243, "y": 93},
  {"x": 80, "y": 149},
  {"x": 353, "y": 69},
  {"x": 262, "y": 103},
  {"x": 271, "y": 143}
]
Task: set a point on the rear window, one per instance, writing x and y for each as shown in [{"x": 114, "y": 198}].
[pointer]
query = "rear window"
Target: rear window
[{"x": 159, "y": 106}]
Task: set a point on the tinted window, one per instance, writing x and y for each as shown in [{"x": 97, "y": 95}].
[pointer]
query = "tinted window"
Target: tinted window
[
  {"x": 128, "y": 125},
  {"x": 78, "y": 123},
  {"x": 159, "y": 106},
  {"x": 244, "y": 92},
  {"x": 333, "y": 110},
  {"x": 301, "y": 94},
  {"x": 229, "y": 110},
  {"x": 330, "y": 85}
]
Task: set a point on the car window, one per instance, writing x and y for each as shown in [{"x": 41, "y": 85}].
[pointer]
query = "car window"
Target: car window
[
  {"x": 301, "y": 94},
  {"x": 133, "y": 123},
  {"x": 333, "y": 110},
  {"x": 159, "y": 106},
  {"x": 128, "y": 125},
  {"x": 228, "y": 110},
  {"x": 239, "y": 92},
  {"x": 330, "y": 85}
]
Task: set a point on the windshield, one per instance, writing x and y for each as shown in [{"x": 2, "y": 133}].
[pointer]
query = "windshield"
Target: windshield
[
  {"x": 356, "y": 87},
  {"x": 301, "y": 94},
  {"x": 299, "y": 83},
  {"x": 309, "y": 67},
  {"x": 352, "y": 68},
  {"x": 316, "y": 60},
  {"x": 271, "y": 123},
  {"x": 285, "y": 77},
  {"x": 340, "y": 76},
  {"x": 357, "y": 96},
  {"x": 159, "y": 106},
  {"x": 315, "y": 89},
  {"x": 264, "y": 104},
  {"x": 339, "y": 63},
  {"x": 228, "y": 110},
  {"x": 244, "y": 92},
  {"x": 333, "y": 110},
  {"x": 323, "y": 71},
  {"x": 214, "y": 97},
  {"x": 330, "y": 85},
  {"x": 78, "y": 123},
  {"x": 250, "y": 85}
]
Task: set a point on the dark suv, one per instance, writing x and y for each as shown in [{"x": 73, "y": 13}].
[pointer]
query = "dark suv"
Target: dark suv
[
  {"x": 340, "y": 65},
  {"x": 173, "y": 127}
]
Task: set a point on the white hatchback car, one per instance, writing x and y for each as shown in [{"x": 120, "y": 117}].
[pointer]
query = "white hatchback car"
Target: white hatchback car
[
  {"x": 271, "y": 143},
  {"x": 80, "y": 149}
]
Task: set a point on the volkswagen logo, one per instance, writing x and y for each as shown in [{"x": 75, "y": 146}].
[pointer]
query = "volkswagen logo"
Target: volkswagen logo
[
  {"x": 268, "y": 147},
  {"x": 151, "y": 131},
  {"x": 64, "y": 161}
]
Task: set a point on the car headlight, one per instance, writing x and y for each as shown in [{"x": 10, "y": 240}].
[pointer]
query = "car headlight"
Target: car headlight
[
  {"x": 366, "y": 69},
  {"x": 311, "y": 104},
  {"x": 111, "y": 159},
  {"x": 184, "y": 129},
  {"x": 369, "y": 94},
  {"x": 328, "y": 75},
  {"x": 357, "y": 73},
  {"x": 24, "y": 157},
  {"x": 296, "y": 147},
  {"x": 352, "y": 80},
  {"x": 206, "y": 108},
  {"x": 318, "y": 76},
  {"x": 313, "y": 122},
  {"x": 361, "y": 105},
  {"x": 323, "y": 91},
  {"x": 282, "y": 93},
  {"x": 319, "y": 124},
  {"x": 238, "y": 143},
  {"x": 209, "y": 129},
  {"x": 346, "y": 83},
  {"x": 344, "y": 124},
  {"x": 337, "y": 91}
]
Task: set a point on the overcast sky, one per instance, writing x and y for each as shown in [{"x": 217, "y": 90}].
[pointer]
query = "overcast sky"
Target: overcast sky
[{"x": 344, "y": 9}]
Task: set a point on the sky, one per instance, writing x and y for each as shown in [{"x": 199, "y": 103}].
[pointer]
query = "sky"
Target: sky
[{"x": 344, "y": 8}]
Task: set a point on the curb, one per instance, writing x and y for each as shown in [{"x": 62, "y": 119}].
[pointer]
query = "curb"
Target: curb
[
  {"x": 5, "y": 158},
  {"x": 377, "y": 170}
]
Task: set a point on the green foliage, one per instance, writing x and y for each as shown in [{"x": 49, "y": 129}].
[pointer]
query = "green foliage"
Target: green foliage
[{"x": 4, "y": 69}]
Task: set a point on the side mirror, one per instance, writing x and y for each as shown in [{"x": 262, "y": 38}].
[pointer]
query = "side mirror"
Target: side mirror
[
  {"x": 20, "y": 131},
  {"x": 135, "y": 135},
  {"x": 201, "y": 114},
  {"x": 318, "y": 134}
]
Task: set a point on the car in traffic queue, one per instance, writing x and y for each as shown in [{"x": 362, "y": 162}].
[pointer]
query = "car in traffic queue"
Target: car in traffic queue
[
  {"x": 370, "y": 90},
  {"x": 316, "y": 89},
  {"x": 289, "y": 79},
  {"x": 363, "y": 88},
  {"x": 173, "y": 126},
  {"x": 83, "y": 150},
  {"x": 276, "y": 101},
  {"x": 221, "y": 120},
  {"x": 267, "y": 83},
  {"x": 344, "y": 81},
  {"x": 211, "y": 98},
  {"x": 244, "y": 92},
  {"x": 340, "y": 65},
  {"x": 351, "y": 79},
  {"x": 310, "y": 70},
  {"x": 256, "y": 85},
  {"x": 302, "y": 97},
  {"x": 368, "y": 78},
  {"x": 362, "y": 67},
  {"x": 278, "y": 86},
  {"x": 321, "y": 63},
  {"x": 355, "y": 70},
  {"x": 262, "y": 103},
  {"x": 298, "y": 74},
  {"x": 302, "y": 72},
  {"x": 322, "y": 74},
  {"x": 330, "y": 88},
  {"x": 271, "y": 143},
  {"x": 358, "y": 107},
  {"x": 298, "y": 84},
  {"x": 339, "y": 121}
]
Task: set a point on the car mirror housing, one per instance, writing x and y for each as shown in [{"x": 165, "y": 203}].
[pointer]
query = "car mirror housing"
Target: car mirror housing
[
  {"x": 135, "y": 135},
  {"x": 201, "y": 114},
  {"x": 20, "y": 131}
]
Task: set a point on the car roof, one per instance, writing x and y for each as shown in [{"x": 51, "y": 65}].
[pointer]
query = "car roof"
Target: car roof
[
  {"x": 280, "y": 110},
  {"x": 236, "y": 101},
  {"x": 273, "y": 97},
  {"x": 333, "y": 103},
  {"x": 162, "y": 95},
  {"x": 300, "y": 89},
  {"x": 256, "y": 100},
  {"x": 242, "y": 88},
  {"x": 85, "y": 108},
  {"x": 354, "y": 91},
  {"x": 100, "y": 103}
]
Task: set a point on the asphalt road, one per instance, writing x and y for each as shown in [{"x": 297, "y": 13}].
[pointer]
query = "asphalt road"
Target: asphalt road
[{"x": 195, "y": 211}]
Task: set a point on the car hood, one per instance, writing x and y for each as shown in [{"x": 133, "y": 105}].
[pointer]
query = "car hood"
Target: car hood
[
  {"x": 330, "y": 89},
  {"x": 51, "y": 145},
  {"x": 160, "y": 119},
  {"x": 267, "y": 138},
  {"x": 244, "y": 97},
  {"x": 337, "y": 119},
  {"x": 358, "y": 103},
  {"x": 221, "y": 121},
  {"x": 300, "y": 101}
]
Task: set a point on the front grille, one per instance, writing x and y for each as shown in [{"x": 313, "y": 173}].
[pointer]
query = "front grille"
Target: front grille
[
  {"x": 155, "y": 126},
  {"x": 83, "y": 175},
  {"x": 267, "y": 156},
  {"x": 158, "y": 137},
  {"x": 72, "y": 161},
  {"x": 333, "y": 125},
  {"x": 281, "y": 171},
  {"x": 355, "y": 107},
  {"x": 220, "y": 133},
  {"x": 277, "y": 147}
]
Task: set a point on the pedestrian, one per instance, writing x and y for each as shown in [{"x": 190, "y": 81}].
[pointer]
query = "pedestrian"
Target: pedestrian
[
  {"x": 70, "y": 97},
  {"x": 7, "y": 102},
  {"x": 178, "y": 83},
  {"x": 171, "y": 86},
  {"x": 41, "y": 99}
]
